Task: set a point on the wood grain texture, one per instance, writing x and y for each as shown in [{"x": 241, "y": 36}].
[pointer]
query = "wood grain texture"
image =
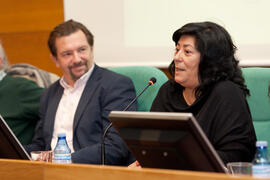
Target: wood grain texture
[
  {"x": 20, "y": 170},
  {"x": 30, "y": 15},
  {"x": 25, "y": 27},
  {"x": 29, "y": 47},
  {"x": 92, "y": 172},
  {"x": 29, "y": 170}
]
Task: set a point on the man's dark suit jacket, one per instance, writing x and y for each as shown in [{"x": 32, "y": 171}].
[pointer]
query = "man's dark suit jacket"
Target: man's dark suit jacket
[{"x": 105, "y": 91}]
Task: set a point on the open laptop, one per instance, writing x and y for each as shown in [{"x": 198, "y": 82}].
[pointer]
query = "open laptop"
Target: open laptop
[
  {"x": 10, "y": 146},
  {"x": 167, "y": 140}
]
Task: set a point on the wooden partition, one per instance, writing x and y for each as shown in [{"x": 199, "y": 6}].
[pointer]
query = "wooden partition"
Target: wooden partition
[
  {"x": 21, "y": 170},
  {"x": 27, "y": 170},
  {"x": 25, "y": 27}
]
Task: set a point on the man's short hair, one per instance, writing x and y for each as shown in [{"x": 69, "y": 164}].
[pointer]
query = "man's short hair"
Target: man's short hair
[{"x": 65, "y": 29}]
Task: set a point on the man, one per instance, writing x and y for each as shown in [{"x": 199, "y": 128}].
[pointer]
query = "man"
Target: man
[
  {"x": 20, "y": 100},
  {"x": 80, "y": 102}
]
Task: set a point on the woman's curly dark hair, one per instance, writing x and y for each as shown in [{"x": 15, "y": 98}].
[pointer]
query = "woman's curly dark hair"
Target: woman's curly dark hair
[{"x": 217, "y": 50}]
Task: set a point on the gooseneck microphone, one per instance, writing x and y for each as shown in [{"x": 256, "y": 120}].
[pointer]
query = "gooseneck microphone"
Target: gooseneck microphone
[{"x": 150, "y": 83}]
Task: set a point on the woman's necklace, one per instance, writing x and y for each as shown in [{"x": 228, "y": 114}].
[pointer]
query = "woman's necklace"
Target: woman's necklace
[{"x": 189, "y": 97}]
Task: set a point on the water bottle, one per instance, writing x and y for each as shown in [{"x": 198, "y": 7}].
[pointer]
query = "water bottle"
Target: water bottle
[
  {"x": 62, "y": 153},
  {"x": 261, "y": 162}
]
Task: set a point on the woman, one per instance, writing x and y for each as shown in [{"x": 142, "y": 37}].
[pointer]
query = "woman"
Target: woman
[{"x": 208, "y": 83}]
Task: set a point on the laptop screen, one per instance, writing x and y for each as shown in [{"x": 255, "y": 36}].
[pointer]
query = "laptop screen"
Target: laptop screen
[
  {"x": 10, "y": 147},
  {"x": 167, "y": 140}
]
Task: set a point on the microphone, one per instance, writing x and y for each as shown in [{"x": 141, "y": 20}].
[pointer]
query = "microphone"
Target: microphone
[{"x": 150, "y": 83}]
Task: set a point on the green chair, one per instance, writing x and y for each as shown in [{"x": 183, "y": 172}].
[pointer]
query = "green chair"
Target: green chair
[
  {"x": 140, "y": 75},
  {"x": 257, "y": 80}
]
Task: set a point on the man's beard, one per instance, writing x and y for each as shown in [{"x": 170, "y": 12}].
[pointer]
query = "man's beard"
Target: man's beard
[{"x": 81, "y": 63}]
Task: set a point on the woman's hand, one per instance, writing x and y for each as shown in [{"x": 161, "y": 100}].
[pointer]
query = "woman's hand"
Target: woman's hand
[{"x": 135, "y": 164}]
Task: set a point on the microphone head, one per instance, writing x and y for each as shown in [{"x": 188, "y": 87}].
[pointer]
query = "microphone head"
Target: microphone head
[{"x": 152, "y": 81}]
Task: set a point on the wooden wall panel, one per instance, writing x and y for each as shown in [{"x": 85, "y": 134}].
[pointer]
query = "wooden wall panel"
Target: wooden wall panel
[
  {"x": 29, "y": 47},
  {"x": 25, "y": 26}
]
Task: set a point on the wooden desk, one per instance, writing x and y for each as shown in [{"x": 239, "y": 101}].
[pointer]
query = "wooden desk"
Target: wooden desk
[{"x": 28, "y": 170}]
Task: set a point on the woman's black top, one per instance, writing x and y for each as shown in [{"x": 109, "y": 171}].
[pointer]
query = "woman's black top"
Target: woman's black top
[{"x": 223, "y": 114}]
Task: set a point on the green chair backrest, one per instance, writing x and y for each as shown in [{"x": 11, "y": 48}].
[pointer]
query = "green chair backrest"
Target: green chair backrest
[
  {"x": 257, "y": 80},
  {"x": 140, "y": 75}
]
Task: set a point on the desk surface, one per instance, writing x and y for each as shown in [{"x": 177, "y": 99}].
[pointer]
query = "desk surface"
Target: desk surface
[{"x": 22, "y": 169}]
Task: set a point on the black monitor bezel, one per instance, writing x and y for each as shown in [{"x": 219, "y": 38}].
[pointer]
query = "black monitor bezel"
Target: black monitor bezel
[
  {"x": 166, "y": 121},
  {"x": 10, "y": 146}
]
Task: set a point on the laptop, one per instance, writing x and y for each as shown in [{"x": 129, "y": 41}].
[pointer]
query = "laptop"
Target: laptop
[
  {"x": 10, "y": 146},
  {"x": 167, "y": 140}
]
